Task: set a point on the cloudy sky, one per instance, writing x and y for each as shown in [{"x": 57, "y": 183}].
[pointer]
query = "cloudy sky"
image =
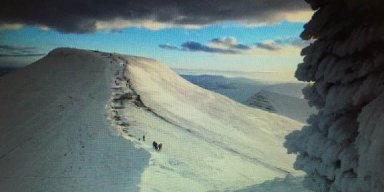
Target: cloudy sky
[{"x": 242, "y": 35}]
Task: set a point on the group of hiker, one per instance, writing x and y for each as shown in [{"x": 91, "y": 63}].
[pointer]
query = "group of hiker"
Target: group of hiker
[{"x": 156, "y": 146}]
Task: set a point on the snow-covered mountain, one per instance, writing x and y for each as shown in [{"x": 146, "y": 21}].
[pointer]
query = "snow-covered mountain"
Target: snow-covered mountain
[
  {"x": 210, "y": 141},
  {"x": 55, "y": 135},
  {"x": 284, "y": 99},
  {"x": 237, "y": 88}
]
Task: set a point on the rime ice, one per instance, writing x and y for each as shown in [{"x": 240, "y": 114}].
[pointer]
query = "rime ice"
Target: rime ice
[{"x": 343, "y": 147}]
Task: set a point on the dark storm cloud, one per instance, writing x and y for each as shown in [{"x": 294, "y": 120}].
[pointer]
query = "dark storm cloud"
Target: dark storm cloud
[
  {"x": 81, "y": 16},
  {"x": 19, "y": 51}
]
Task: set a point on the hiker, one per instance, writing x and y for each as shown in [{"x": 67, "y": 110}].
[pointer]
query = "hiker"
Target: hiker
[
  {"x": 159, "y": 147},
  {"x": 143, "y": 137},
  {"x": 154, "y": 144}
]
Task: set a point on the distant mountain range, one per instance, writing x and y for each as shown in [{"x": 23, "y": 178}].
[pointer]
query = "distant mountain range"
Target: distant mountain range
[
  {"x": 282, "y": 98},
  {"x": 237, "y": 88}
]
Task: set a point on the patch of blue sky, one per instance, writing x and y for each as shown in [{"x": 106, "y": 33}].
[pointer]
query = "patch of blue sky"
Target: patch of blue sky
[{"x": 145, "y": 42}]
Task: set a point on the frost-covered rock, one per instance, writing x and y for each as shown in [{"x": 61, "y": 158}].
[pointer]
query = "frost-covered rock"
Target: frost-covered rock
[{"x": 342, "y": 147}]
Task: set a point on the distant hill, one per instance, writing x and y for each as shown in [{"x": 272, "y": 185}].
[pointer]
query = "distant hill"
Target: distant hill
[
  {"x": 7, "y": 70},
  {"x": 282, "y": 99},
  {"x": 236, "y": 88}
]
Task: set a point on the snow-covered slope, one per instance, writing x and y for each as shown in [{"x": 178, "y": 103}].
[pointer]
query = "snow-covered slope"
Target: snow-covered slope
[
  {"x": 284, "y": 99},
  {"x": 210, "y": 142},
  {"x": 289, "y": 89},
  {"x": 54, "y": 135}
]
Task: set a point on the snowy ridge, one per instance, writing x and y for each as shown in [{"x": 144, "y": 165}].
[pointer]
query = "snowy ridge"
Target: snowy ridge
[
  {"x": 286, "y": 105},
  {"x": 209, "y": 141},
  {"x": 260, "y": 100},
  {"x": 54, "y": 135}
]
